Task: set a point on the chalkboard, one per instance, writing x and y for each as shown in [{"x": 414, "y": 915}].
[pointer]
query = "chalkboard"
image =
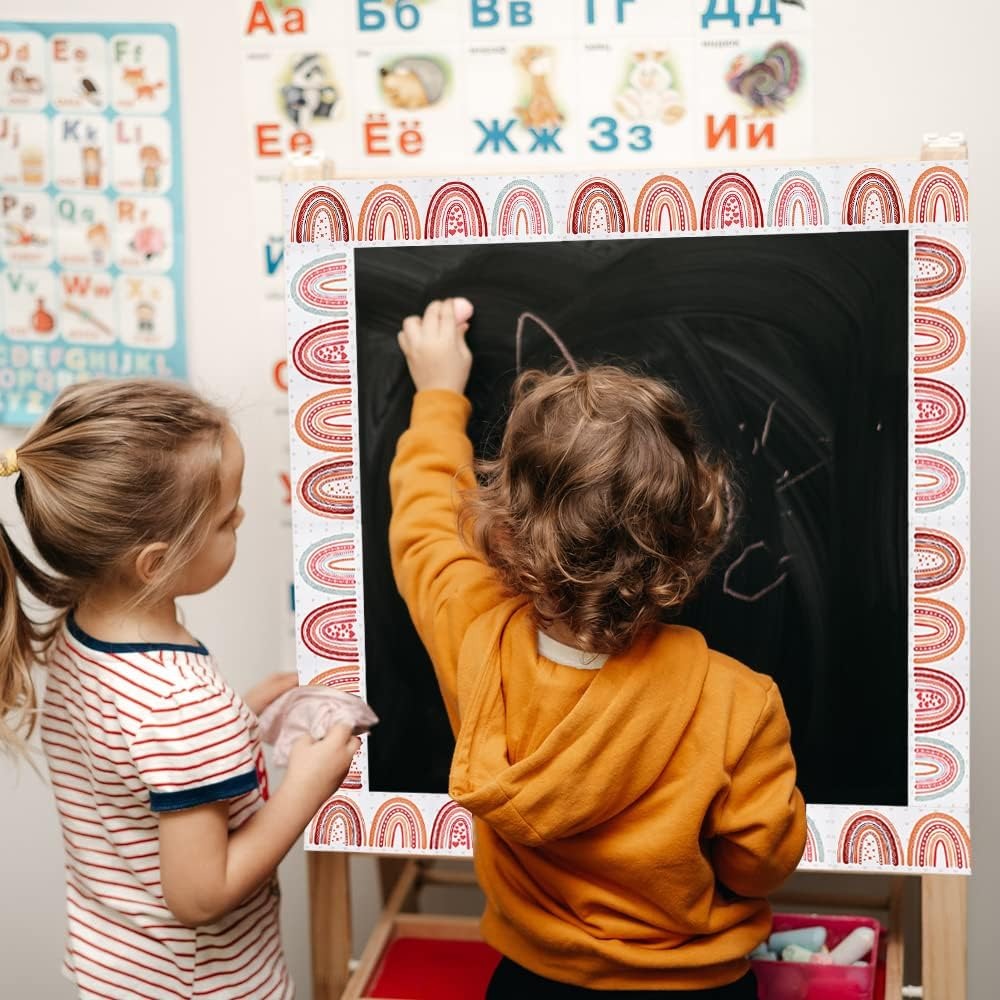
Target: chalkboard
[{"x": 793, "y": 352}]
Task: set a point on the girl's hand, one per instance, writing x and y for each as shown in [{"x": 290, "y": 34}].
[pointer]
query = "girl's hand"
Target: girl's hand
[
  {"x": 261, "y": 695},
  {"x": 317, "y": 768},
  {"x": 435, "y": 348}
]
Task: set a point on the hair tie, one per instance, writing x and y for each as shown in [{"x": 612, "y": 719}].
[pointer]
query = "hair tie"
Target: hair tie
[{"x": 8, "y": 463}]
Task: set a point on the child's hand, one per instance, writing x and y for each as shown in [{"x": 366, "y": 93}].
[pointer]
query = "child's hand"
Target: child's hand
[
  {"x": 261, "y": 695},
  {"x": 435, "y": 347},
  {"x": 318, "y": 767}
]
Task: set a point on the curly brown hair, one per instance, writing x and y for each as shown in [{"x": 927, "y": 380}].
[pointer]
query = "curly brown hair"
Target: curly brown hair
[{"x": 602, "y": 506}]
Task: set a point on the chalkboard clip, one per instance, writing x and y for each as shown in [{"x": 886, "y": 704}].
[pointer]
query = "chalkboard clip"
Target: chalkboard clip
[
  {"x": 952, "y": 146},
  {"x": 308, "y": 167}
]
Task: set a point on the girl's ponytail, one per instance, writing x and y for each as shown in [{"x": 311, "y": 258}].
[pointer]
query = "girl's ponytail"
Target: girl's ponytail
[{"x": 19, "y": 638}]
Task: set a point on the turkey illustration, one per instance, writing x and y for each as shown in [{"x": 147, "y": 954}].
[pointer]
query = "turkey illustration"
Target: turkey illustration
[{"x": 766, "y": 85}]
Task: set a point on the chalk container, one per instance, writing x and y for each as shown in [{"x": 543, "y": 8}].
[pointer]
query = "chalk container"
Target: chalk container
[{"x": 795, "y": 981}]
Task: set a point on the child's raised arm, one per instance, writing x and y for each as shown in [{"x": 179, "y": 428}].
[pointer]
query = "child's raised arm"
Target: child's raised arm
[{"x": 444, "y": 583}]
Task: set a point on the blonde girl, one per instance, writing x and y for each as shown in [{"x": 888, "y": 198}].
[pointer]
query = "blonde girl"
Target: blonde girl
[{"x": 130, "y": 493}]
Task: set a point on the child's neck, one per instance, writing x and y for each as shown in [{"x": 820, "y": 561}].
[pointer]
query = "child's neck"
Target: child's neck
[
  {"x": 562, "y": 634},
  {"x": 108, "y": 614}
]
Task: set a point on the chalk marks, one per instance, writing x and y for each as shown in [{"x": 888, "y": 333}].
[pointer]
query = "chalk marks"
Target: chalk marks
[
  {"x": 729, "y": 588},
  {"x": 552, "y": 335}
]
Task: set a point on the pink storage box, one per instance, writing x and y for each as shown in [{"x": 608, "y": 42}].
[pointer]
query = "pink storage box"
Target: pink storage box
[{"x": 798, "y": 981}]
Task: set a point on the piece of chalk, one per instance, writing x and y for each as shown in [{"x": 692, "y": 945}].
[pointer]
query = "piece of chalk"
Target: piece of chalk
[
  {"x": 810, "y": 938},
  {"x": 862, "y": 964},
  {"x": 761, "y": 951},
  {"x": 796, "y": 953},
  {"x": 856, "y": 945}
]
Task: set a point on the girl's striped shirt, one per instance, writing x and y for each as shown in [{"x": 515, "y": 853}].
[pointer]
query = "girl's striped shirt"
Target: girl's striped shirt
[{"x": 130, "y": 731}]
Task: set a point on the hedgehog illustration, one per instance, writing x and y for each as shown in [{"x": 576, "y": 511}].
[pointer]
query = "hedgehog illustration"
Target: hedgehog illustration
[{"x": 413, "y": 82}]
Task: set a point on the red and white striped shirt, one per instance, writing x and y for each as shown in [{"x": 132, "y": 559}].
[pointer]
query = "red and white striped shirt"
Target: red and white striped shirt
[{"x": 131, "y": 730}]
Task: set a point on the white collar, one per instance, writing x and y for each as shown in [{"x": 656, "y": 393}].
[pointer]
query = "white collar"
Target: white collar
[{"x": 569, "y": 656}]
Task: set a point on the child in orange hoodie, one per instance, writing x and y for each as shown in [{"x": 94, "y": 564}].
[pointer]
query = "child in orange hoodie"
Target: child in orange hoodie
[{"x": 634, "y": 791}]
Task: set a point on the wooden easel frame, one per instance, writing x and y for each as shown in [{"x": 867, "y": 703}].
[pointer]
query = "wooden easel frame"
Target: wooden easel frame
[
  {"x": 943, "y": 898},
  {"x": 942, "y": 936}
]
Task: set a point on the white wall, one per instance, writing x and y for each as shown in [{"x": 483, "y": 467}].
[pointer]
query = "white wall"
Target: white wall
[{"x": 885, "y": 71}]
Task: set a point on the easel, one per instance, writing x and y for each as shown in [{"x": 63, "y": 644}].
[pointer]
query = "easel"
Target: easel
[{"x": 942, "y": 898}]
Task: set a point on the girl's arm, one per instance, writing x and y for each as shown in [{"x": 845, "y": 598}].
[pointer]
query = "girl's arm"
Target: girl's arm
[{"x": 206, "y": 871}]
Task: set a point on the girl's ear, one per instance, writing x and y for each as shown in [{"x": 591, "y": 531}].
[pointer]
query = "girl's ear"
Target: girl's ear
[{"x": 149, "y": 561}]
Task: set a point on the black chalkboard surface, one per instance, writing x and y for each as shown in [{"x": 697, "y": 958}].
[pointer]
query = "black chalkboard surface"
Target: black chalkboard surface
[{"x": 793, "y": 352}]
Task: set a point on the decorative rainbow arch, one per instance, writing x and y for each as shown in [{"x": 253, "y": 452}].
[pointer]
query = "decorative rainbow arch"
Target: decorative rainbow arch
[
  {"x": 455, "y": 211},
  {"x": 939, "y": 630},
  {"x": 797, "y": 201},
  {"x": 664, "y": 205},
  {"x": 346, "y": 678},
  {"x": 939, "y": 768},
  {"x": 452, "y": 829},
  {"x": 939, "y": 195},
  {"x": 338, "y": 824},
  {"x": 322, "y": 215},
  {"x": 597, "y": 206},
  {"x": 940, "y": 340},
  {"x": 940, "y": 699},
  {"x": 939, "y": 841},
  {"x": 869, "y": 839},
  {"x": 388, "y": 213},
  {"x": 522, "y": 209},
  {"x": 873, "y": 197},
  {"x": 813, "y": 852},
  {"x": 939, "y": 480},
  {"x": 732, "y": 202},
  {"x": 398, "y": 826}
]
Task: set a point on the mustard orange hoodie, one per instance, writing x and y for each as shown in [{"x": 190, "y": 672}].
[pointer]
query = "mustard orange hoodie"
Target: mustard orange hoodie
[{"x": 629, "y": 820}]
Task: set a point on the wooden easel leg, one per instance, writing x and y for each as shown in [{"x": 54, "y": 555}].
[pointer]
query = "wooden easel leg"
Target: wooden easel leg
[
  {"x": 329, "y": 922},
  {"x": 894, "y": 952},
  {"x": 944, "y": 915},
  {"x": 389, "y": 872}
]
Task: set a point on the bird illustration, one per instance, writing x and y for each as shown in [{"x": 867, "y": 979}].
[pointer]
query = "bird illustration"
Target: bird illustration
[{"x": 767, "y": 84}]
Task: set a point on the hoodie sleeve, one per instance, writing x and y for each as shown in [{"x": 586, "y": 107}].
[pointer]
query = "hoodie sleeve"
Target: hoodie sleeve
[
  {"x": 444, "y": 583},
  {"x": 759, "y": 827}
]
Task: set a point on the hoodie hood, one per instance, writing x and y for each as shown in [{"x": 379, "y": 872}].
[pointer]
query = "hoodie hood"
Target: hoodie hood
[{"x": 598, "y": 759}]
